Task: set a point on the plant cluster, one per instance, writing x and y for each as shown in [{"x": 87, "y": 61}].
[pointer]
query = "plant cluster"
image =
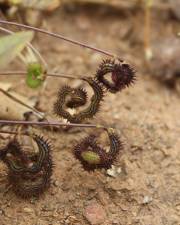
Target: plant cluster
[{"x": 30, "y": 172}]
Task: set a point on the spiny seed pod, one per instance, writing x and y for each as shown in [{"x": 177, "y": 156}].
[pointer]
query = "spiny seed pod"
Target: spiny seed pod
[
  {"x": 92, "y": 156},
  {"x": 29, "y": 174},
  {"x": 122, "y": 75},
  {"x": 14, "y": 149},
  {"x": 32, "y": 185},
  {"x": 78, "y": 97},
  {"x": 60, "y": 106}
]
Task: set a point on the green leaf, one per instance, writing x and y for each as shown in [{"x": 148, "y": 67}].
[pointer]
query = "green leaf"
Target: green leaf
[
  {"x": 34, "y": 75},
  {"x": 12, "y": 45}
]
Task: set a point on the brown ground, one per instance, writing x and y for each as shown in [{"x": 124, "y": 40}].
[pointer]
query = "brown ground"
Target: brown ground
[{"x": 147, "y": 191}]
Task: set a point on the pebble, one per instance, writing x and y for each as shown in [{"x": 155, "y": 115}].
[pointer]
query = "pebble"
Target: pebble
[
  {"x": 147, "y": 199},
  {"x": 95, "y": 213},
  {"x": 56, "y": 183},
  {"x": 1, "y": 211},
  {"x": 113, "y": 171},
  {"x": 28, "y": 210}
]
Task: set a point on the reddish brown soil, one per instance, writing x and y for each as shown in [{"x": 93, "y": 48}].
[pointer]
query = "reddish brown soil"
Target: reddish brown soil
[{"x": 147, "y": 191}]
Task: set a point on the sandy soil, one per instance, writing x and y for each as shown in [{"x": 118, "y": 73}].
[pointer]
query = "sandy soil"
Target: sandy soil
[{"x": 147, "y": 191}]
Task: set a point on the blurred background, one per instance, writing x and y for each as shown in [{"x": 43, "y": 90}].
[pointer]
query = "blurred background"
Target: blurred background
[{"x": 145, "y": 31}]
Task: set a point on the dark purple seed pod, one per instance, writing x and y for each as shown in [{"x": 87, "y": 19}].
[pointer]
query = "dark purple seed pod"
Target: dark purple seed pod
[
  {"x": 68, "y": 96},
  {"x": 92, "y": 156},
  {"x": 29, "y": 173},
  {"x": 29, "y": 185},
  {"x": 78, "y": 98},
  {"x": 122, "y": 75}
]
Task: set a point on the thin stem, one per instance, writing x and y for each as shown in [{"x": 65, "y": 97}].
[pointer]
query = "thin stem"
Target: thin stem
[
  {"x": 29, "y": 45},
  {"x": 11, "y": 73},
  {"x": 62, "y": 76},
  {"x": 58, "y": 124},
  {"x": 58, "y": 36},
  {"x": 35, "y": 111},
  {"x": 49, "y": 74}
]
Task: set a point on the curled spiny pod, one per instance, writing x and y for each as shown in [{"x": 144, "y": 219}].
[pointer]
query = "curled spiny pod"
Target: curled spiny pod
[
  {"x": 26, "y": 186},
  {"x": 60, "y": 106},
  {"x": 122, "y": 75},
  {"x": 78, "y": 98},
  {"x": 15, "y": 149},
  {"x": 29, "y": 174},
  {"x": 92, "y": 156}
]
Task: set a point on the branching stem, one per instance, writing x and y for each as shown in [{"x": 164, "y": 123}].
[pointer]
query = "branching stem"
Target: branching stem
[
  {"x": 58, "y": 36},
  {"x": 49, "y": 74},
  {"x": 45, "y": 123}
]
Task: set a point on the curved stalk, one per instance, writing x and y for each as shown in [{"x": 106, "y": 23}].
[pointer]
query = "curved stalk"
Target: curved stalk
[
  {"x": 49, "y": 74},
  {"x": 45, "y": 123},
  {"x": 58, "y": 36}
]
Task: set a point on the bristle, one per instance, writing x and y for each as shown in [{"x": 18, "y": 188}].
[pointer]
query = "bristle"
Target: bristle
[
  {"x": 100, "y": 158},
  {"x": 26, "y": 186},
  {"x": 30, "y": 181},
  {"x": 122, "y": 75},
  {"x": 88, "y": 112},
  {"x": 78, "y": 98}
]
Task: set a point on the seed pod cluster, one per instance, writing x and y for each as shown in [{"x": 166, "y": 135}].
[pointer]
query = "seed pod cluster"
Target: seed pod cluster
[
  {"x": 92, "y": 156},
  {"x": 121, "y": 76},
  {"x": 78, "y": 98},
  {"x": 29, "y": 174}
]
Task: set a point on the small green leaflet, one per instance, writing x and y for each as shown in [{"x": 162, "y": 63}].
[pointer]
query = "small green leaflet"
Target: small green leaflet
[
  {"x": 34, "y": 76},
  {"x": 12, "y": 45}
]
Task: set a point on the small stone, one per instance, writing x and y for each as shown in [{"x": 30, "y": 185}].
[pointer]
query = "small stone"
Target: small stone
[
  {"x": 1, "y": 211},
  {"x": 147, "y": 199},
  {"x": 115, "y": 222},
  {"x": 113, "y": 171},
  {"x": 56, "y": 183},
  {"x": 95, "y": 213},
  {"x": 28, "y": 210}
]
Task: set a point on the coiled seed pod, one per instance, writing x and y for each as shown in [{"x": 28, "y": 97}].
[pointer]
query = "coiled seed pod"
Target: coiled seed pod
[
  {"x": 122, "y": 75},
  {"x": 29, "y": 174},
  {"x": 87, "y": 113},
  {"x": 92, "y": 156}
]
